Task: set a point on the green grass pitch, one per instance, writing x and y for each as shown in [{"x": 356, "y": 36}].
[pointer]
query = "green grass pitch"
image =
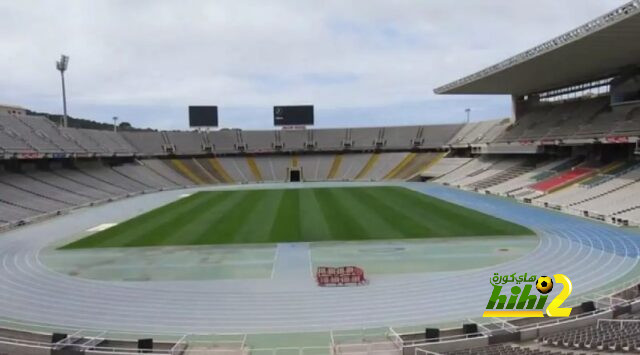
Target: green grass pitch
[{"x": 299, "y": 215}]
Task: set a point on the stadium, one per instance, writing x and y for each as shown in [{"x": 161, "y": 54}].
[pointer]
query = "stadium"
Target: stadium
[{"x": 310, "y": 241}]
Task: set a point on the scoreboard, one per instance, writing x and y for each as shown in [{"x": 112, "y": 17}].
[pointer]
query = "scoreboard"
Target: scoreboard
[
  {"x": 301, "y": 115},
  {"x": 203, "y": 116}
]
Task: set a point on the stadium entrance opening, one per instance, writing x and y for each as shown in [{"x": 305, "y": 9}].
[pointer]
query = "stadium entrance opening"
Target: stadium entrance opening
[{"x": 295, "y": 175}]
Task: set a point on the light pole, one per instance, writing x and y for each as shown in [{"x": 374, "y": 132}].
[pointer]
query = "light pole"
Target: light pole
[
  {"x": 62, "y": 65},
  {"x": 468, "y": 111},
  {"x": 115, "y": 119}
]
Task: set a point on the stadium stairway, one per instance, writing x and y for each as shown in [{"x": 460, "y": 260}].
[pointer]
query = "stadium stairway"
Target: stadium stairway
[
  {"x": 165, "y": 171},
  {"x": 237, "y": 168},
  {"x": 180, "y": 167},
  {"x": 433, "y": 162},
  {"x": 255, "y": 170},
  {"x": 506, "y": 175},
  {"x": 214, "y": 167},
  {"x": 419, "y": 163},
  {"x": 203, "y": 171},
  {"x": 335, "y": 166},
  {"x": 368, "y": 166},
  {"x": 398, "y": 168}
]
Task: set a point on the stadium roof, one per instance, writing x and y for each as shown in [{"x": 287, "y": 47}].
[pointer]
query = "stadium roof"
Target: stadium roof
[{"x": 596, "y": 50}]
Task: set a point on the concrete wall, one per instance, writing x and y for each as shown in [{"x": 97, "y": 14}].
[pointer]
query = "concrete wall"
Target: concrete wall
[{"x": 444, "y": 346}]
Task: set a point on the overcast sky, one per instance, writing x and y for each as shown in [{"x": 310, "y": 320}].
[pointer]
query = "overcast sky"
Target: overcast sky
[{"x": 367, "y": 62}]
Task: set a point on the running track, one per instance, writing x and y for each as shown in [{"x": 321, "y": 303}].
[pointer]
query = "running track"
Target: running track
[{"x": 591, "y": 254}]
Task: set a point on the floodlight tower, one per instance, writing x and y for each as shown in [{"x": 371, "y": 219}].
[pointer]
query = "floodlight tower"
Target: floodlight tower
[
  {"x": 115, "y": 120},
  {"x": 468, "y": 111},
  {"x": 62, "y": 65}
]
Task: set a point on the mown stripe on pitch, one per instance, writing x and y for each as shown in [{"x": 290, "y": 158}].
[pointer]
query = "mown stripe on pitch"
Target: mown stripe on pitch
[
  {"x": 442, "y": 220},
  {"x": 376, "y": 213},
  {"x": 259, "y": 216},
  {"x": 201, "y": 221},
  {"x": 165, "y": 227},
  {"x": 287, "y": 223},
  {"x": 456, "y": 220},
  {"x": 216, "y": 229},
  {"x": 313, "y": 224},
  {"x": 117, "y": 235},
  {"x": 340, "y": 218},
  {"x": 256, "y": 225},
  {"x": 227, "y": 224},
  {"x": 394, "y": 215}
]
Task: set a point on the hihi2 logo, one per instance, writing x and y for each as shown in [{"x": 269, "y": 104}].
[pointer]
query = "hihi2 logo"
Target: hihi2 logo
[{"x": 522, "y": 302}]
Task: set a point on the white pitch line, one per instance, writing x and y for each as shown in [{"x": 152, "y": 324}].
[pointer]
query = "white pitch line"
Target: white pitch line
[
  {"x": 101, "y": 227},
  {"x": 273, "y": 265}
]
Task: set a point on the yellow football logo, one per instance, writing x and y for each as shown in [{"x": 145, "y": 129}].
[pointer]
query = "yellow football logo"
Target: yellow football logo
[{"x": 544, "y": 284}]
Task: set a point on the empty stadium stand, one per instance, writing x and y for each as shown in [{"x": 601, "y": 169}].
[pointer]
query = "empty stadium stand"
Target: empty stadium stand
[
  {"x": 147, "y": 143},
  {"x": 562, "y": 179},
  {"x": 345, "y": 154},
  {"x": 578, "y": 119},
  {"x": 479, "y": 132},
  {"x": 186, "y": 142},
  {"x": 444, "y": 166},
  {"x": 609, "y": 336},
  {"x": 34, "y": 192}
]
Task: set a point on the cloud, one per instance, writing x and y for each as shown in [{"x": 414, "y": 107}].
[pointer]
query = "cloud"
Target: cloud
[{"x": 145, "y": 61}]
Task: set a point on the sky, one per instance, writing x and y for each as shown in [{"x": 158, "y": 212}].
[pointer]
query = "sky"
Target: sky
[{"x": 359, "y": 62}]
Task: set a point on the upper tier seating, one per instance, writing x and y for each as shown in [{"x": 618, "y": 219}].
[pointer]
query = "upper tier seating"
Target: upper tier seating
[
  {"x": 17, "y": 129},
  {"x": 146, "y": 142},
  {"x": 585, "y": 118},
  {"x": 434, "y": 136},
  {"x": 11, "y": 142},
  {"x": 224, "y": 141},
  {"x": 258, "y": 141},
  {"x": 186, "y": 142},
  {"x": 97, "y": 141},
  {"x": 401, "y": 137},
  {"x": 46, "y": 129},
  {"x": 83, "y": 140},
  {"x": 28, "y": 135},
  {"x": 329, "y": 139},
  {"x": 294, "y": 139},
  {"x": 365, "y": 137},
  {"x": 479, "y": 132}
]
